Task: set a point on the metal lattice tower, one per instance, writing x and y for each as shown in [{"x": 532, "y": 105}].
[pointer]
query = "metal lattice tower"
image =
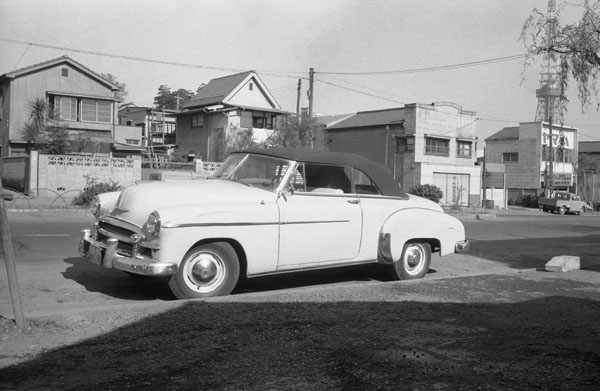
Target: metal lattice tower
[{"x": 549, "y": 94}]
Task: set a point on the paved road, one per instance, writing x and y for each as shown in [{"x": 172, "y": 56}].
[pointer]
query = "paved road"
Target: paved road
[{"x": 53, "y": 278}]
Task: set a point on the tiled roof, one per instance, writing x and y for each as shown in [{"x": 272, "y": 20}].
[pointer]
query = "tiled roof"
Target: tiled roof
[
  {"x": 589, "y": 146},
  {"x": 216, "y": 90},
  {"x": 54, "y": 62},
  {"x": 371, "y": 118},
  {"x": 509, "y": 133}
]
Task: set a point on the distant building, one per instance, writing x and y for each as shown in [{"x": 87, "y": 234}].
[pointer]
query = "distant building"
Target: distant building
[
  {"x": 226, "y": 106},
  {"x": 522, "y": 156},
  {"x": 83, "y": 101},
  {"x": 420, "y": 144},
  {"x": 158, "y": 125}
]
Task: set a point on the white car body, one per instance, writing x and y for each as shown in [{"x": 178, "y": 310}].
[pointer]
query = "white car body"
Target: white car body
[{"x": 272, "y": 226}]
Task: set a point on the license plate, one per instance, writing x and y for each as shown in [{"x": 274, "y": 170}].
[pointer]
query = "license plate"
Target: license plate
[{"x": 96, "y": 254}]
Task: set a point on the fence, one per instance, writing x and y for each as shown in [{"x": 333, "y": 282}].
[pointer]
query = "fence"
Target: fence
[{"x": 66, "y": 173}]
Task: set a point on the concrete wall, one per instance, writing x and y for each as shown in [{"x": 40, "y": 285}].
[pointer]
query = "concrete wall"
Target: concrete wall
[{"x": 62, "y": 174}]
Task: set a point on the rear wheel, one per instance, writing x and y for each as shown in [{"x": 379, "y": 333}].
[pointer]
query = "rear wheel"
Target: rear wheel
[
  {"x": 207, "y": 270},
  {"x": 414, "y": 262}
]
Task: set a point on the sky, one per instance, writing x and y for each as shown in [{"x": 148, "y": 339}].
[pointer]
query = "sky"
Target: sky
[{"x": 366, "y": 54}]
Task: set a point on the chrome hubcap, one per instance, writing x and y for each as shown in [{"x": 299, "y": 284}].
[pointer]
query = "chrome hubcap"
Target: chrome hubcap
[
  {"x": 414, "y": 259},
  {"x": 205, "y": 272}
]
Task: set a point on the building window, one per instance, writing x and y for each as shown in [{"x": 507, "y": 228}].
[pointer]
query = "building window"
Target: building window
[
  {"x": 197, "y": 121},
  {"x": 65, "y": 108},
  {"x": 269, "y": 122},
  {"x": 93, "y": 110},
  {"x": 464, "y": 149},
  {"x": 258, "y": 122},
  {"x": 1, "y": 102},
  {"x": 132, "y": 141},
  {"x": 510, "y": 157},
  {"x": 251, "y": 86},
  {"x": 65, "y": 72},
  {"x": 437, "y": 146},
  {"x": 405, "y": 144}
]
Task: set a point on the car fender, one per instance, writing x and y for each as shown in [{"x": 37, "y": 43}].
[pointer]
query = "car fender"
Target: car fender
[
  {"x": 420, "y": 224},
  {"x": 254, "y": 226}
]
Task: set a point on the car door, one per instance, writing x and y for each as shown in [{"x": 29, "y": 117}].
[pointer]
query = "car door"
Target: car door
[{"x": 321, "y": 221}]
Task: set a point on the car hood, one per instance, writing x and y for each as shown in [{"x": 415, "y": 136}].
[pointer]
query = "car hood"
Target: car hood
[{"x": 137, "y": 202}]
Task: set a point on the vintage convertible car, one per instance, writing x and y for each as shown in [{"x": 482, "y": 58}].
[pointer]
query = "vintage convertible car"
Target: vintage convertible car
[{"x": 268, "y": 211}]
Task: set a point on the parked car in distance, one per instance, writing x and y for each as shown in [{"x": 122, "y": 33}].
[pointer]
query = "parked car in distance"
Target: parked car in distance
[
  {"x": 269, "y": 211},
  {"x": 563, "y": 202}
]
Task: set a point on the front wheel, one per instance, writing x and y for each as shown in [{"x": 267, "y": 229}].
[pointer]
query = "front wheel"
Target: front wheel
[
  {"x": 562, "y": 210},
  {"x": 414, "y": 262},
  {"x": 582, "y": 210},
  {"x": 206, "y": 270}
]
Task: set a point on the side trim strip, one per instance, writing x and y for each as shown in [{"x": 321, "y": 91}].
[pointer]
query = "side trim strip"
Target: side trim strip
[{"x": 188, "y": 225}]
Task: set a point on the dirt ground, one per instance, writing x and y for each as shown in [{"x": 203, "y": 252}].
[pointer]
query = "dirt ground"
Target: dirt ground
[{"x": 525, "y": 330}]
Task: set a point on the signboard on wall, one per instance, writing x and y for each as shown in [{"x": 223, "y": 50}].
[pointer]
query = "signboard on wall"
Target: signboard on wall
[
  {"x": 562, "y": 179},
  {"x": 559, "y": 137}
]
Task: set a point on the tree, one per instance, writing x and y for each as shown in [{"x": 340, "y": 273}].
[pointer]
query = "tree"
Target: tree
[
  {"x": 43, "y": 129},
  {"x": 122, "y": 93},
  {"x": 39, "y": 112},
  {"x": 171, "y": 100},
  {"x": 293, "y": 132},
  {"x": 574, "y": 46}
]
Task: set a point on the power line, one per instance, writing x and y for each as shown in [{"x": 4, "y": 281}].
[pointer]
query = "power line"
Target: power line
[
  {"x": 431, "y": 69},
  {"x": 141, "y": 59},
  {"x": 359, "y": 92}
]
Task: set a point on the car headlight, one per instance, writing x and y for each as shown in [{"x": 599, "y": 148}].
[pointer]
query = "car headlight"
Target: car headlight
[
  {"x": 95, "y": 207},
  {"x": 153, "y": 223}
]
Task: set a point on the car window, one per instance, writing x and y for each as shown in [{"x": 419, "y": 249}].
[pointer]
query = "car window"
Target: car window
[
  {"x": 320, "y": 178},
  {"x": 254, "y": 171},
  {"x": 363, "y": 184}
]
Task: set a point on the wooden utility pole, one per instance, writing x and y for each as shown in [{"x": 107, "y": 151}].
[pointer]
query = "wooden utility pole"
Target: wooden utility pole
[
  {"x": 311, "y": 79},
  {"x": 298, "y": 99},
  {"x": 9, "y": 259}
]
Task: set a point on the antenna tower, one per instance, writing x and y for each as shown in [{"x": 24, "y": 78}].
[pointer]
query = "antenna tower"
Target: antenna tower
[{"x": 549, "y": 94}]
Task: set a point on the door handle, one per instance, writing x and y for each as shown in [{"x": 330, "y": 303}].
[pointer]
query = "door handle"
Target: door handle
[{"x": 354, "y": 201}]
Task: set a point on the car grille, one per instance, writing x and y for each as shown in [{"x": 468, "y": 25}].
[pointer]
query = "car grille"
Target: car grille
[{"x": 125, "y": 245}]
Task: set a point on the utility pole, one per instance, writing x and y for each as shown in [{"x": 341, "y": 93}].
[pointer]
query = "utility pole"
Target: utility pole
[
  {"x": 298, "y": 99},
  {"x": 311, "y": 77},
  {"x": 11, "y": 269}
]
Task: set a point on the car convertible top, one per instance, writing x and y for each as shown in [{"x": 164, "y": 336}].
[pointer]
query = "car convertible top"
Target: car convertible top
[{"x": 380, "y": 174}]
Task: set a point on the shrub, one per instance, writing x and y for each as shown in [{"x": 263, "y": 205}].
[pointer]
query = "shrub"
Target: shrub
[
  {"x": 93, "y": 187},
  {"x": 431, "y": 192}
]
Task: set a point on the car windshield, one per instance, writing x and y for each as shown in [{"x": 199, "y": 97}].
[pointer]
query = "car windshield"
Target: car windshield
[{"x": 254, "y": 170}]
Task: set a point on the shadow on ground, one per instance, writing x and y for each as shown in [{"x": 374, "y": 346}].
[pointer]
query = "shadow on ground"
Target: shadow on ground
[
  {"x": 550, "y": 343},
  {"x": 534, "y": 253}
]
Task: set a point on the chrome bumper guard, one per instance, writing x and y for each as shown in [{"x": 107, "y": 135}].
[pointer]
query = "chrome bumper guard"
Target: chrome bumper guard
[
  {"x": 461, "y": 246},
  {"x": 106, "y": 255}
]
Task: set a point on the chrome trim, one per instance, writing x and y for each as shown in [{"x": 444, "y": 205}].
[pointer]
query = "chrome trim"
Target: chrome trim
[
  {"x": 189, "y": 225},
  {"x": 122, "y": 238},
  {"x": 113, "y": 260}
]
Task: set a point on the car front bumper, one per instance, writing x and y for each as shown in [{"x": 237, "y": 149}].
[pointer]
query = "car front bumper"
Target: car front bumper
[{"x": 106, "y": 255}]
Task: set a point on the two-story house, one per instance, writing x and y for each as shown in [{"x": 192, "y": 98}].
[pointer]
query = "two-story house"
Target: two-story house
[
  {"x": 83, "y": 101},
  {"x": 420, "y": 143},
  {"x": 225, "y": 106}
]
